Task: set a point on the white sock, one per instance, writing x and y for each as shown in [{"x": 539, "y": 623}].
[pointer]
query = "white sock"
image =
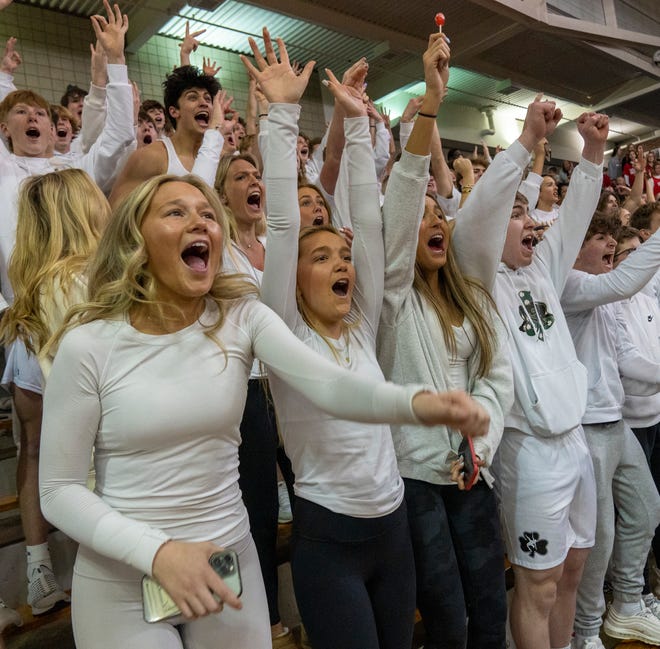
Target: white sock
[
  {"x": 628, "y": 608},
  {"x": 37, "y": 555}
]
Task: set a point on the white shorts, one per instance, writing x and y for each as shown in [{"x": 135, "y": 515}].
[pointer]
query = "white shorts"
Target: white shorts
[
  {"x": 22, "y": 368},
  {"x": 547, "y": 497}
]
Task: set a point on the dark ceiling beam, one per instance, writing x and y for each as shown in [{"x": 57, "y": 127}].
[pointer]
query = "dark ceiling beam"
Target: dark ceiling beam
[{"x": 148, "y": 19}]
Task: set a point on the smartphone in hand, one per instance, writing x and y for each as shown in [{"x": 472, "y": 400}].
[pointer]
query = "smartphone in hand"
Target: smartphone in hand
[
  {"x": 157, "y": 605},
  {"x": 470, "y": 466}
]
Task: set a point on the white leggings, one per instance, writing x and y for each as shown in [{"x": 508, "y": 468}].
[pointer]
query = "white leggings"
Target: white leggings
[{"x": 107, "y": 610}]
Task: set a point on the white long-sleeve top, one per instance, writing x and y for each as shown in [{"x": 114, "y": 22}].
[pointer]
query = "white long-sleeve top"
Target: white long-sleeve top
[
  {"x": 639, "y": 372},
  {"x": 592, "y": 317},
  {"x": 163, "y": 414},
  {"x": 346, "y": 467}
]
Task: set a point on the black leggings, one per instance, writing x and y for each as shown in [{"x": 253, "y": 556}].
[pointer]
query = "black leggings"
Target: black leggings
[
  {"x": 258, "y": 482},
  {"x": 459, "y": 559},
  {"x": 354, "y": 578}
]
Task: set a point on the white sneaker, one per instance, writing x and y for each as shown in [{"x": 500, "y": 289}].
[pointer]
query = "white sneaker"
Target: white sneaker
[
  {"x": 285, "y": 514},
  {"x": 8, "y": 616},
  {"x": 592, "y": 642},
  {"x": 644, "y": 626},
  {"x": 43, "y": 591}
]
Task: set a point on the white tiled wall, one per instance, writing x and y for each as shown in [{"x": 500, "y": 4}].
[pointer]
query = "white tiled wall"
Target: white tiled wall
[{"x": 55, "y": 51}]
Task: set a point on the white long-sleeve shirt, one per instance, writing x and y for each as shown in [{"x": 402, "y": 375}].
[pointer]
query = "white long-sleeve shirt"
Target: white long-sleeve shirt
[
  {"x": 163, "y": 414},
  {"x": 346, "y": 467}
]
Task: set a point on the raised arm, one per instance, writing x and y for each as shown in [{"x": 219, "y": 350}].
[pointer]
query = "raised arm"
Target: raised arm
[
  {"x": 357, "y": 188},
  {"x": 94, "y": 104},
  {"x": 404, "y": 198},
  {"x": 481, "y": 224},
  {"x": 208, "y": 156},
  {"x": 283, "y": 89},
  {"x": 118, "y": 132},
  {"x": 531, "y": 186},
  {"x": 355, "y": 77},
  {"x": 11, "y": 59},
  {"x": 444, "y": 181},
  {"x": 562, "y": 242},
  {"x": 189, "y": 44}
]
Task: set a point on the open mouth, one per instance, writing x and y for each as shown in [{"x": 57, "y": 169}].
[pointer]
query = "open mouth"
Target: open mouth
[
  {"x": 196, "y": 256},
  {"x": 230, "y": 139},
  {"x": 147, "y": 139},
  {"x": 33, "y": 133},
  {"x": 202, "y": 118},
  {"x": 608, "y": 260},
  {"x": 254, "y": 199},
  {"x": 437, "y": 243},
  {"x": 340, "y": 287},
  {"x": 62, "y": 132},
  {"x": 528, "y": 242},
  {"x": 318, "y": 220},
  {"x": 304, "y": 152}
]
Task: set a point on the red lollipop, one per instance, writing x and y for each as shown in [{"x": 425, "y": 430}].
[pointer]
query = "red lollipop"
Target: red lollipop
[{"x": 439, "y": 20}]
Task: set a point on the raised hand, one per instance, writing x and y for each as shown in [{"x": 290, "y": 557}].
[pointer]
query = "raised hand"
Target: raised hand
[
  {"x": 11, "y": 59},
  {"x": 593, "y": 127},
  {"x": 436, "y": 67},
  {"x": 183, "y": 570},
  {"x": 189, "y": 44},
  {"x": 222, "y": 115},
  {"x": 276, "y": 78},
  {"x": 210, "y": 69},
  {"x": 372, "y": 111},
  {"x": 4, "y": 4},
  {"x": 346, "y": 96},
  {"x": 356, "y": 77},
  {"x": 540, "y": 122},
  {"x": 110, "y": 32},
  {"x": 99, "y": 65},
  {"x": 411, "y": 108}
]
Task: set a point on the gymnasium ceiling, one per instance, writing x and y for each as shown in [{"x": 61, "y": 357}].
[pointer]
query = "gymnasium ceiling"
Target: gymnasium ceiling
[{"x": 594, "y": 54}]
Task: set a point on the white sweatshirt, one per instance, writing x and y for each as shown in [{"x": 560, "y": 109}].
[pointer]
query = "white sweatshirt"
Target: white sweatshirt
[
  {"x": 592, "y": 319},
  {"x": 550, "y": 384},
  {"x": 641, "y": 315}
]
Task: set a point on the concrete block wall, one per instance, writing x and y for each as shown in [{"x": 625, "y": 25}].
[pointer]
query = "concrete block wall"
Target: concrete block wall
[{"x": 55, "y": 51}]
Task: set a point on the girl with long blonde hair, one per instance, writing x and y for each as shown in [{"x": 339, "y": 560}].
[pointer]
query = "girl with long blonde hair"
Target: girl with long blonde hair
[{"x": 60, "y": 218}]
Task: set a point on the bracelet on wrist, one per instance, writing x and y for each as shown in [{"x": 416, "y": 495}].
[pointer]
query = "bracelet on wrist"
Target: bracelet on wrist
[
  {"x": 466, "y": 190},
  {"x": 263, "y": 115},
  {"x": 421, "y": 114}
]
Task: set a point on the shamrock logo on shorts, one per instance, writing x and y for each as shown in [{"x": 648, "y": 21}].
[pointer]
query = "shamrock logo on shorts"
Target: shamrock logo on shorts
[{"x": 532, "y": 543}]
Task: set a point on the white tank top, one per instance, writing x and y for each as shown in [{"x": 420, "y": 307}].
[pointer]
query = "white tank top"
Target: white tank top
[{"x": 174, "y": 165}]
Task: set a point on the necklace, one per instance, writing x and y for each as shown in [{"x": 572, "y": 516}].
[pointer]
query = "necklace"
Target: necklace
[{"x": 247, "y": 245}]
